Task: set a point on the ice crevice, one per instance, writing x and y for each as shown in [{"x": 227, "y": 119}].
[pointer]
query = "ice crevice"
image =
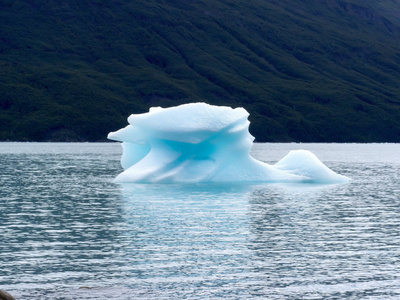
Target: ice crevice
[{"x": 198, "y": 142}]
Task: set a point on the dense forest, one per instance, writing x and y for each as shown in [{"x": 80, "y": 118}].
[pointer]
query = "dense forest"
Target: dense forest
[{"x": 307, "y": 71}]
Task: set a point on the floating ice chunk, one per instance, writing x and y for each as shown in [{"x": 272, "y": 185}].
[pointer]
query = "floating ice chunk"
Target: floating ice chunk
[
  {"x": 198, "y": 142},
  {"x": 306, "y": 164}
]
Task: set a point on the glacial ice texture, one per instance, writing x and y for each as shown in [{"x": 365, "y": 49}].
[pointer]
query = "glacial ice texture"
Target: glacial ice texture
[{"x": 198, "y": 142}]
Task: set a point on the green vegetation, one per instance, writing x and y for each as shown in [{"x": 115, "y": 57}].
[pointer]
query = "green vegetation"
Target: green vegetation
[{"x": 310, "y": 70}]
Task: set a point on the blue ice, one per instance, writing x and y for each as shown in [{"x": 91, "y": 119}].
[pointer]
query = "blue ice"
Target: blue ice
[{"x": 198, "y": 142}]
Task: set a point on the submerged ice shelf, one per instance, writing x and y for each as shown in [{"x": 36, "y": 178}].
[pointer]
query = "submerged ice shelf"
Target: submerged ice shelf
[{"x": 198, "y": 142}]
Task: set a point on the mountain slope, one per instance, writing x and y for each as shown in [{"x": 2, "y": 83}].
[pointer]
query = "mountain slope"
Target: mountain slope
[{"x": 313, "y": 70}]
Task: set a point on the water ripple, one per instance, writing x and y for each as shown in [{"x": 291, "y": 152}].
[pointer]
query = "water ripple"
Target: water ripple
[{"x": 68, "y": 232}]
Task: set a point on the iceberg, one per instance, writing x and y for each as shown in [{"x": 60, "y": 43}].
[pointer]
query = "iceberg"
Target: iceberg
[{"x": 198, "y": 142}]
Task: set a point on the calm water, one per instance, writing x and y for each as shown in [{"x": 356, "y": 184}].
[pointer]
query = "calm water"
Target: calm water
[{"x": 68, "y": 232}]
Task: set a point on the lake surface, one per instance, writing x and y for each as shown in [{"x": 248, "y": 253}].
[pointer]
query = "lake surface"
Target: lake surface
[{"x": 68, "y": 232}]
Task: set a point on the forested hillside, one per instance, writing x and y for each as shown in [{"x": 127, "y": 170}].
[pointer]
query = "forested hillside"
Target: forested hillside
[{"x": 309, "y": 70}]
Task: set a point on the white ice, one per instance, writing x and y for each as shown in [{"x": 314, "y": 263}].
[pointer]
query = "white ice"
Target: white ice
[{"x": 198, "y": 142}]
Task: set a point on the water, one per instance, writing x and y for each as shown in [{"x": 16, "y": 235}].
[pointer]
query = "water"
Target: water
[{"x": 68, "y": 232}]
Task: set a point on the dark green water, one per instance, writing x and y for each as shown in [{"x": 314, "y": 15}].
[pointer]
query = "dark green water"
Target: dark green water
[{"x": 68, "y": 232}]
